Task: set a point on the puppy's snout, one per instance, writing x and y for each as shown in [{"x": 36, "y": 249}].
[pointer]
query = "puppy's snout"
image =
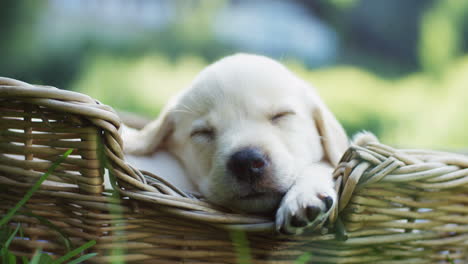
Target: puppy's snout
[{"x": 248, "y": 164}]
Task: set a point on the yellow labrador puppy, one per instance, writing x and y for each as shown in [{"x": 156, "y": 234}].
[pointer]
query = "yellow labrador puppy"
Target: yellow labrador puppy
[{"x": 254, "y": 137}]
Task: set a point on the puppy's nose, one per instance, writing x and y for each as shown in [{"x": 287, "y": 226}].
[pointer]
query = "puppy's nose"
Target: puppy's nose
[{"x": 248, "y": 164}]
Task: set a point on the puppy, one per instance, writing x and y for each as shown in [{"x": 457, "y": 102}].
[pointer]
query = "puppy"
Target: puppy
[{"x": 253, "y": 137}]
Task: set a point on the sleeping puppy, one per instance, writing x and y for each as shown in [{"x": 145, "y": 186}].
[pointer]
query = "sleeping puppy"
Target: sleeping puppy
[{"x": 253, "y": 137}]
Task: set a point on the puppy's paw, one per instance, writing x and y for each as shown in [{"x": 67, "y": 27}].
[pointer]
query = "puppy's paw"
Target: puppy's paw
[{"x": 303, "y": 208}]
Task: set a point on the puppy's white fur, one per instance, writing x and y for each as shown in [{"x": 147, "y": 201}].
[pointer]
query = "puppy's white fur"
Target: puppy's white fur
[{"x": 248, "y": 100}]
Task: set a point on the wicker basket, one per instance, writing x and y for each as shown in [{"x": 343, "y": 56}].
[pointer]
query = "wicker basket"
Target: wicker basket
[{"x": 397, "y": 206}]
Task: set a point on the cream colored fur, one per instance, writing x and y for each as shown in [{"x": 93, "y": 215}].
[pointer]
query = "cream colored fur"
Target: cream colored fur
[{"x": 237, "y": 98}]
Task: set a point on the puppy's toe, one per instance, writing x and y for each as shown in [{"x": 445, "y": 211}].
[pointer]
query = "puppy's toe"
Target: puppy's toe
[{"x": 299, "y": 211}]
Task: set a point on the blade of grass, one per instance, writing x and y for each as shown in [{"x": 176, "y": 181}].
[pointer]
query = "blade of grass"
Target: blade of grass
[
  {"x": 33, "y": 189},
  {"x": 82, "y": 258},
  {"x": 45, "y": 258},
  {"x": 11, "y": 258},
  {"x": 119, "y": 249},
  {"x": 303, "y": 259},
  {"x": 37, "y": 256},
  {"x": 74, "y": 252},
  {"x": 12, "y": 236},
  {"x": 5, "y": 255},
  {"x": 23, "y": 258},
  {"x": 241, "y": 246}
]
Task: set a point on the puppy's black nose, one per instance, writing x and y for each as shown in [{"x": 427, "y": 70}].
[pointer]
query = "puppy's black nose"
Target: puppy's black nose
[{"x": 248, "y": 164}]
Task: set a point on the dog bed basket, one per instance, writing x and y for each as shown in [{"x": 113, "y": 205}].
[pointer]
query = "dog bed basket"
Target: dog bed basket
[{"x": 395, "y": 206}]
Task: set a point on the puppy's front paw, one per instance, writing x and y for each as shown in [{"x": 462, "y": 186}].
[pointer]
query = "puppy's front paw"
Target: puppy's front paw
[{"x": 304, "y": 208}]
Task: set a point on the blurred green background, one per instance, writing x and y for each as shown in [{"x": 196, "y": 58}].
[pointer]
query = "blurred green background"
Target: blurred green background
[{"x": 397, "y": 68}]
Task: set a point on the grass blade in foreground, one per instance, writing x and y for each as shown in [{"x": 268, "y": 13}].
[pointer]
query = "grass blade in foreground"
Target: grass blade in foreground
[
  {"x": 303, "y": 259},
  {"x": 241, "y": 246},
  {"x": 36, "y": 257},
  {"x": 82, "y": 258},
  {"x": 33, "y": 189},
  {"x": 12, "y": 236},
  {"x": 75, "y": 252}
]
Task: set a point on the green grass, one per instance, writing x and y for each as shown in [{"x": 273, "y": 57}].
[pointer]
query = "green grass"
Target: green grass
[
  {"x": 115, "y": 209},
  {"x": 7, "y": 235},
  {"x": 241, "y": 247},
  {"x": 304, "y": 258}
]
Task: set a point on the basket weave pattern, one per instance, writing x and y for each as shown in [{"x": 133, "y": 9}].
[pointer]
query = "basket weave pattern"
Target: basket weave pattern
[{"x": 397, "y": 206}]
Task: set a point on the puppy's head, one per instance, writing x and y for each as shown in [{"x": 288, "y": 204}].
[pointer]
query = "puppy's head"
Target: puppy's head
[{"x": 244, "y": 130}]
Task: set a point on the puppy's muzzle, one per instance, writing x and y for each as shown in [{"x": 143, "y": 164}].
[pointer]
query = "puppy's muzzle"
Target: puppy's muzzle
[{"x": 248, "y": 164}]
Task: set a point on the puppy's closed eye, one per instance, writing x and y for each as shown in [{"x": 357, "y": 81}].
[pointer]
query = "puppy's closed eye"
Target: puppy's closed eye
[
  {"x": 277, "y": 117},
  {"x": 203, "y": 133}
]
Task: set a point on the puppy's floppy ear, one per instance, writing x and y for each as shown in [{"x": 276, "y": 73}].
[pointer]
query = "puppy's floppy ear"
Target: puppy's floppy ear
[
  {"x": 151, "y": 137},
  {"x": 333, "y": 137}
]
